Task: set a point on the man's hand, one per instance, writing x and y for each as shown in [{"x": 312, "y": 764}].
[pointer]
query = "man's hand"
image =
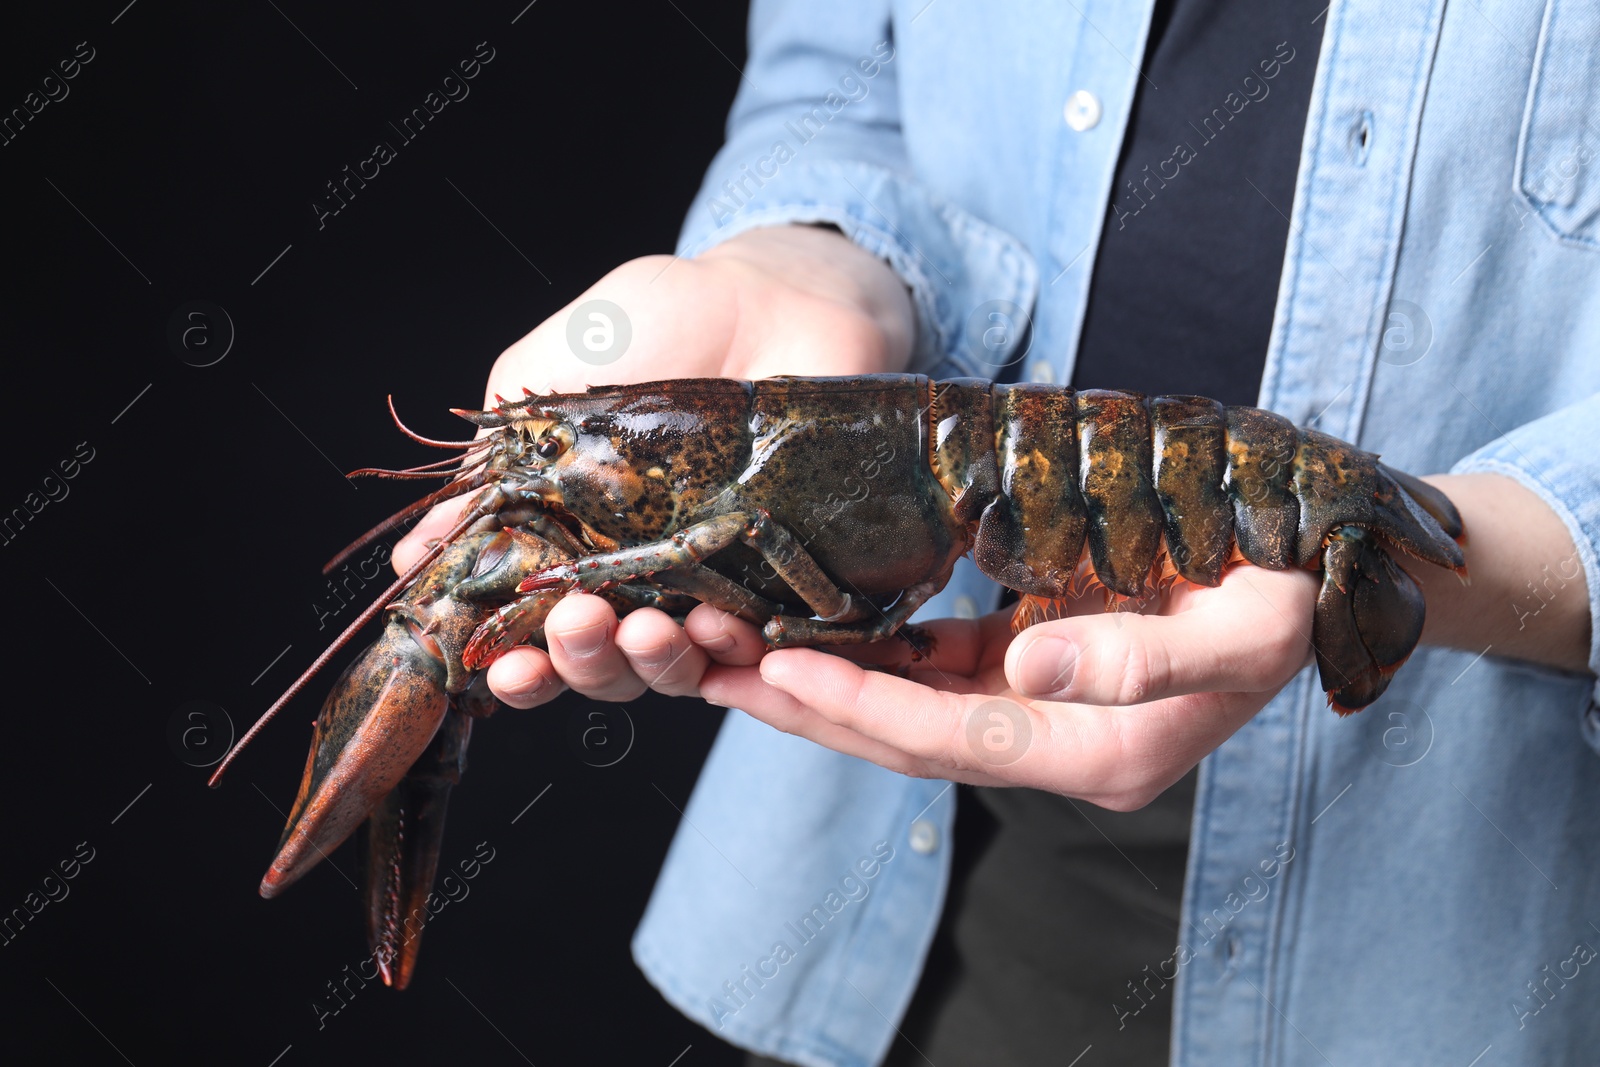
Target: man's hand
[
  {"x": 785, "y": 300},
  {"x": 1108, "y": 707}
]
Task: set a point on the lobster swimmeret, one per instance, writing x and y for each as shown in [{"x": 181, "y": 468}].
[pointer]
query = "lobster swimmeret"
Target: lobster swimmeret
[{"x": 828, "y": 510}]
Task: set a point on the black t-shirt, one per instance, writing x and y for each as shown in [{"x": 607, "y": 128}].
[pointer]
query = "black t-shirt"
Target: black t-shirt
[{"x": 1057, "y": 906}]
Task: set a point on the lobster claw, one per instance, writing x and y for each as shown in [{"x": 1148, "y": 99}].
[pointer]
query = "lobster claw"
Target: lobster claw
[
  {"x": 379, "y": 718},
  {"x": 404, "y": 838},
  {"x": 392, "y": 736},
  {"x": 386, "y": 707}
]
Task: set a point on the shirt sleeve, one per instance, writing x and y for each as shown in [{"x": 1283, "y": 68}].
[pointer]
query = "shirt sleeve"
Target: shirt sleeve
[
  {"x": 1551, "y": 456},
  {"x": 815, "y": 137}
]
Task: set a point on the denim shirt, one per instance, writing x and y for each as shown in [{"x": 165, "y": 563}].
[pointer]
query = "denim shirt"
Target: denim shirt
[{"x": 1419, "y": 883}]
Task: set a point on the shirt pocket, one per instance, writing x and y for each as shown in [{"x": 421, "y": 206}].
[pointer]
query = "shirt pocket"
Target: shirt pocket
[{"x": 1558, "y": 151}]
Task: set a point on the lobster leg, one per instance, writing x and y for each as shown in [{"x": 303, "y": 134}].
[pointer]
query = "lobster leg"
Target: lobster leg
[
  {"x": 508, "y": 627},
  {"x": 788, "y": 631},
  {"x": 688, "y": 547},
  {"x": 1368, "y": 619},
  {"x": 708, "y": 587}
]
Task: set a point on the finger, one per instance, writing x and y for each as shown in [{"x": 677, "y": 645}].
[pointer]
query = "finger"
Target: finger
[
  {"x": 432, "y": 526},
  {"x": 745, "y": 688},
  {"x": 525, "y": 678},
  {"x": 726, "y": 638},
  {"x": 580, "y": 634},
  {"x": 1244, "y": 638},
  {"x": 1117, "y": 758},
  {"x": 946, "y": 647},
  {"x": 661, "y": 653},
  {"x": 899, "y": 712}
]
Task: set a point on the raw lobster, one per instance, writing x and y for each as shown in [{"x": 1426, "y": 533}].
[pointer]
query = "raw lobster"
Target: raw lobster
[{"x": 828, "y": 510}]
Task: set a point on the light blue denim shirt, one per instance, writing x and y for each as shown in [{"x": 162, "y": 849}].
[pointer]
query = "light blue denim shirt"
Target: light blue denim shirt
[{"x": 1419, "y": 884}]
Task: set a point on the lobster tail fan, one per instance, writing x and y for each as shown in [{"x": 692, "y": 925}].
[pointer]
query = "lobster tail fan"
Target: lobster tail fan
[
  {"x": 1413, "y": 515},
  {"x": 1368, "y": 619},
  {"x": 1433, "y": 501}
]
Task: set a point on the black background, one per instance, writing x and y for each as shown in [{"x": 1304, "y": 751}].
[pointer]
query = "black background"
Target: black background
[{"x": 186, "y": 554}]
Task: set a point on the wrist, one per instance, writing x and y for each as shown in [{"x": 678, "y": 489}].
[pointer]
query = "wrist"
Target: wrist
[{"x": 1527, "y": 595}]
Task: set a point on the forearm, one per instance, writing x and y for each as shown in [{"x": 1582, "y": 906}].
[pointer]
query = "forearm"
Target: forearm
[{"x": 1526, "y": 596}]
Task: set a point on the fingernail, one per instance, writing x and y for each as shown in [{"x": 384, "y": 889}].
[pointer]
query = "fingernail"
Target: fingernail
[
  {"x": 714, "y": 703},
  {"x": 1047, "y": 667},
  {"x": 529, "y": 688},
  {"x": 584, "y": 642},
  {"x": 653, "y": 658},
  {"x": 719, "y": 643}
]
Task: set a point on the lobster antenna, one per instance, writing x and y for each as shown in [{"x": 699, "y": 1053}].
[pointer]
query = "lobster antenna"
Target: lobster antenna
[
  {"x": 450, "y": 465},
  {"x": 421, "y": 440},
  {"x": 372, "y": 612},
  {"x": 400, "y": 475},
  {"x": 472, "y": 479}
]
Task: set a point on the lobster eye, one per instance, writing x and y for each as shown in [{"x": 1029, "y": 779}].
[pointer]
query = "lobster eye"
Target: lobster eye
[{"x": 554, "y": 440}]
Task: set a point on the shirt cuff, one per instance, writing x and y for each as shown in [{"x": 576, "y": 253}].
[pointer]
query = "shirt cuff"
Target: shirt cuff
[
  {"x": 973, "y": 285},
  {"x": 1549, "y": 457}
]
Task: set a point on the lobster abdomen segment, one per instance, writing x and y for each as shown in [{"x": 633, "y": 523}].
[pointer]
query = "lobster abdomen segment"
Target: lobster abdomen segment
[
  {"x": 1190, "y": 448},
  {"x": 1116, "y": 475},
  {"x": 1262, "y": 448},
  {"x": 1031, "y": 534}
]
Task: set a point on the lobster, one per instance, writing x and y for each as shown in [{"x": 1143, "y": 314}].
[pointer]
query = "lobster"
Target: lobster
[{"x": 827, "y": 511}]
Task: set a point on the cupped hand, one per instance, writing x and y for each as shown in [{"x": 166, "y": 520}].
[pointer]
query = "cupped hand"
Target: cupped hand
[
  {"x": 784, "y": 300},
  {"x": 1107, "y": 707}
]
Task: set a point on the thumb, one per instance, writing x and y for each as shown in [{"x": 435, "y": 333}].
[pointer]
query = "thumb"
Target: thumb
[{"x": 1122, "y": 659}]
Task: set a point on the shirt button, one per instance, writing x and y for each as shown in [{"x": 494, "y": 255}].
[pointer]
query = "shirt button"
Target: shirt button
[
  {"x": 1043, "y": 373},
  {"x": 1083, "y": 110},
  {"x": 965, "y": 608},
  {"x": 924, "y": 837}
]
